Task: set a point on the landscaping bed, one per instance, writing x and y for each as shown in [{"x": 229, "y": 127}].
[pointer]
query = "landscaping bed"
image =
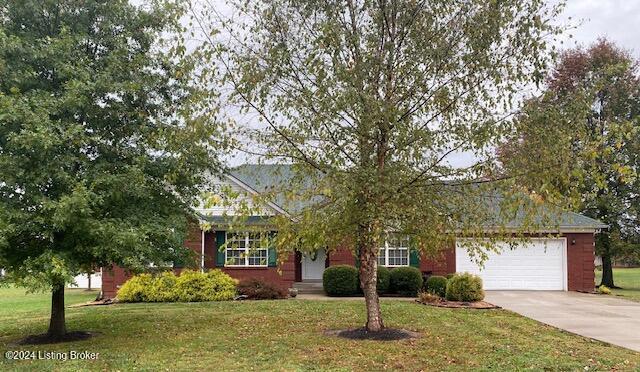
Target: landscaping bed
[{"x": 481, "y": 305}]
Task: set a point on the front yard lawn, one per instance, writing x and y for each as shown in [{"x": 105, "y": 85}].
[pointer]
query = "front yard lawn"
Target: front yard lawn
[
  {"x": 287, "y": 335},
  {"x": 626, "y": 278}
]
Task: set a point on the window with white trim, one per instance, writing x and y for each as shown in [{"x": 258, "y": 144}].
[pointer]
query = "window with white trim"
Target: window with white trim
[
  {"x": 395, "y": 251},
  {"x": 246, "y": 249}
]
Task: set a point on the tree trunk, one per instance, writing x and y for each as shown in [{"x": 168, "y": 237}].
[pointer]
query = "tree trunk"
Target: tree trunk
[
  {"x": 89, "y": 281},
  {"x": 57, "y": 327},
  {"x": 607, "y": 268},
  {"x": 368, "y": 283}
]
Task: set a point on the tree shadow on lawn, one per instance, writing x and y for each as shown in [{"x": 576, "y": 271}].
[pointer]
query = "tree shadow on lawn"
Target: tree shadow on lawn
[
  {"x": 386, "y": 334},
  {"x": 45, "y": 338}
]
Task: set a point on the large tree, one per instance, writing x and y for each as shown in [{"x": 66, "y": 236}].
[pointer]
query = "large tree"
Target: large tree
[
  {"x": 370, "y": 99},
  {"x": 103, "y": 145},
  {"x": 586, "y": 124}
]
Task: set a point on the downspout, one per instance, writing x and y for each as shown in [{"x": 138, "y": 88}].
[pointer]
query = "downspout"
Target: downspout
[{"x": 202, "y": 254}]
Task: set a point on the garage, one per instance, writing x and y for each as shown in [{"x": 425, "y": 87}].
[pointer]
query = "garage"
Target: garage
[{"x": 538, "y": 264}]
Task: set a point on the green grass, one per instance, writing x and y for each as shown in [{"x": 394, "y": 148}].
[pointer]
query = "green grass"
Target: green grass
[
  {"x": 288, "y": 335},
  {"x": 626, "y": 278},
  {"x": 16, "y": 302}
]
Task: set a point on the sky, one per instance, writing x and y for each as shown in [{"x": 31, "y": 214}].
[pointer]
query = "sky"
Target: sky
[{"x": 618, "y": 20}]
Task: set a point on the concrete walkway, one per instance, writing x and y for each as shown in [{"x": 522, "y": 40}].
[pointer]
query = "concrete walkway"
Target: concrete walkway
[{"x": 605, "y": 318}]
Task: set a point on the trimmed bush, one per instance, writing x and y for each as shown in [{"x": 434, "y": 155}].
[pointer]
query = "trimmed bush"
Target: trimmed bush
[
  {"x": 135, "y": 289},
  {"x": 190, "y": 286},
  {"x": 161, "y": 288},
  {"x": 258, "y": 289},
  {"x": 223, "y": 285},
  {"x": 450, "y": 275},
  {"x": 384, "y": 279},
  {"x": 406, "y": 281},
  {"x": 465, "y": 287},
  {"x": 340, "y": 280},
  {"x": 436, "y": 285},
  {"x": 215, "y": 285}
]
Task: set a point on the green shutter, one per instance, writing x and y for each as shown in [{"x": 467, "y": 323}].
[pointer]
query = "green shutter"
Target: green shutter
[
  {"x": 220, "y": 240},
  {"x": 178, "y": 263},
  {"x": 273, "y": 255},
  {"x": 414, "y": 258}
]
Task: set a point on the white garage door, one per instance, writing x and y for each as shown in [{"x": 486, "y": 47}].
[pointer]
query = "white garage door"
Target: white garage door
[{"x": 539, "y": 264}]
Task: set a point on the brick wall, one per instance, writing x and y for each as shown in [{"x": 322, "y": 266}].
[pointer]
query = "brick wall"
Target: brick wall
[
  {"x": 580, "y": 262},
  {"x": 342, "y": 256},
  {"x": 113, "y": 278},
  {"x": 442, "y": 264}
]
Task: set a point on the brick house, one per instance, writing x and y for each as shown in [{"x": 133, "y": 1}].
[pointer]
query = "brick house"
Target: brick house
[{"x": 562, "y": 262}]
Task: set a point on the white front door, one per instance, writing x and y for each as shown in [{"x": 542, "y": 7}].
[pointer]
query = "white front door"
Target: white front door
[
  {"x": 313, "y": 265},
  {"x": 539, "y": 264}
]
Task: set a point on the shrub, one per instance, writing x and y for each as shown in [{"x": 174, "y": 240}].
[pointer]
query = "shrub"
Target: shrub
[
  {"x": 450, "y": 275},
  {"x": 161, "y": 288},
  {"x": 189, "y": 286},
  {"x": 258, "y": 289},
  {"x": 436, "y": 285},
  {"x": 215, "y": 285},
  {"x": 406, "y": 281},
  {"x": 384, "y": 279},
  {"x": 603, "y": 289},
  {"x": 135, "y": 289},
  {"x": 223, "y": 285},
  {"x": 340, "y": 280},
  {"x": 465, "y": 287},
  {"x": 428, "y": 298}
]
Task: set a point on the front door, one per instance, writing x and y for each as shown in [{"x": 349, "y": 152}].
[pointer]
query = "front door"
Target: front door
[{"x": 313, "y": 265}]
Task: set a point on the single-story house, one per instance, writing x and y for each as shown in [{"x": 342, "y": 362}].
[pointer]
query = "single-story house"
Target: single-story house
[{"x": 564, "y": 262}]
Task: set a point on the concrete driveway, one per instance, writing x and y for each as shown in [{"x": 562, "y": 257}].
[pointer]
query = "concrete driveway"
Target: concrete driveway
[{"x": 605, "y": 318}]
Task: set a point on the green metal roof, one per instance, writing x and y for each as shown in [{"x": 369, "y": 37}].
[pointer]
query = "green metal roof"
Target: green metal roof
[{"x": 272, "y": 177}]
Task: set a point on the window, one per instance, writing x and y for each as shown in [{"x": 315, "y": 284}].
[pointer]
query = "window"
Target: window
[
  {"x": 395, "y": 252},
  {"x": 247, "y": 249}
]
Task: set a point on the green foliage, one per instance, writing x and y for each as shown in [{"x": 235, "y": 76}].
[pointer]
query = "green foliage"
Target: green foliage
[
  {"x": 464, "y": 287},
  {"x": 436, "y": 285},
  {"x": 189, "y": 286},
  {"x": 384, "y": 279},
  {"x": 136, "y": 289},
  {"x": 369, "y": 99},
  {"x": 161, "y": 288},
  {"x": 193, "y": 286},
  {"x": 259, "y": 289},
  {"x": 406, "y": 281},
  {"x": 340, "y": 280},
  {"x": 450, "y": 275},
  {"x": 362, "y": 109},
  {"x": 104, "y": 143},
  {"x": 603, "y": 289},
  {"x": 581, "y": 140}
]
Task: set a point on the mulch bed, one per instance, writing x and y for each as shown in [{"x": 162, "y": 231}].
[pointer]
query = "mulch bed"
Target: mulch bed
[
  {"x": 108, "y": 301},
  {"x": 480, "y": 305},
  {"x": 386, "y": 334},
  {"x": 44, "y": 338}
]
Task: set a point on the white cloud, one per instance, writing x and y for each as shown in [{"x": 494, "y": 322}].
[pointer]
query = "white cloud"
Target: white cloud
[{"x": 617, "y": 20}]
